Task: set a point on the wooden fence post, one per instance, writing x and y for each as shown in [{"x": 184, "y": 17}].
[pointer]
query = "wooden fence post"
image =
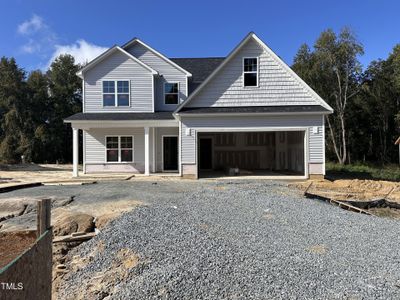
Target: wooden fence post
[{"x": 43, "y": 215}]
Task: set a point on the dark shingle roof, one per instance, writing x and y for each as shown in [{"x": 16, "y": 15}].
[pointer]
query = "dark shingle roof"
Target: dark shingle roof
[
  {"x": 255, "y": 109},
  {"x": 161, "y": 115},
  {"x": 200, "y": 68}
]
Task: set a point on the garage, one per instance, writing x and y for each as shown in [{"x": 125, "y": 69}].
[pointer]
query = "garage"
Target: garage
[{"x": 251, "y": 153}]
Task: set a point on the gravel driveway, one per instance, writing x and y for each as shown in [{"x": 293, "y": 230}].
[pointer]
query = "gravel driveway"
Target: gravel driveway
[{"x": 237, "y": 240}]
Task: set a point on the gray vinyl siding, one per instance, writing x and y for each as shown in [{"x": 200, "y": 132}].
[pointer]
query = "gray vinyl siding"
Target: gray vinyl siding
[
  {"x": 95, "y": 151},
  {"x": 315, "y": 140},
  {"x": 169, "y": 74},
  {"x": 119, "y": 67},
  {"x": 276, "y": 85}
]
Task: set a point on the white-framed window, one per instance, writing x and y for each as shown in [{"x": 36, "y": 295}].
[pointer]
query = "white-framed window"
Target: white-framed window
[
  {"x": 171, "y": 93},
  {"x": 116, "y": 92},
  {"x": 119, "y": 148},
  {"x": 250, "y": 71}
]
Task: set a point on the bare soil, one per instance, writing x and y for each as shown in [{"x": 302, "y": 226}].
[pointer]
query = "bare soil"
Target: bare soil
[
  {"x": 355, "y": 189},
  {"x": 49, "y": 174},
  {"x": 13, "y": 244}
]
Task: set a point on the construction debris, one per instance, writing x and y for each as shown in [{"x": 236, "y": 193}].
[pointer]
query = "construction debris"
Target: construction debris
[
  {"x": 336, "y": 202},
  {"x": 363, "y": 196},
  {"x": 74, "y": 238}
]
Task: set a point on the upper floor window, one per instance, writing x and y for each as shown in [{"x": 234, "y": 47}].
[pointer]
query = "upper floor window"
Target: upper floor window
[
  {"x": 171, "y": 93},
  {"x": 250, "y": 71},
  {"x": 116, "y": 93}
]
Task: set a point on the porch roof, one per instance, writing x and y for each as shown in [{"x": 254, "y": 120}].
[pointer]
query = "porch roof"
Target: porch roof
[{"x": 125, "y": 116}]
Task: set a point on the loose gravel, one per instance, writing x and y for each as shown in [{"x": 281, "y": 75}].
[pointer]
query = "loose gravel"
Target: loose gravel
[{"x": 237, "y": 240}]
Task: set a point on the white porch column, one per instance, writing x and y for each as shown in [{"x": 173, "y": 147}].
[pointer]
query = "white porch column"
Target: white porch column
[
  {"x": 146, "y": 151},
  {"x": 154, "y": 149},
  {"x": 75, "y": 152}
]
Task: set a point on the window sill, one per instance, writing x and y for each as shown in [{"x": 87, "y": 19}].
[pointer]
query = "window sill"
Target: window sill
[
  {"x": 251, "y": 87},
  {"x": 116, "y": 107}
]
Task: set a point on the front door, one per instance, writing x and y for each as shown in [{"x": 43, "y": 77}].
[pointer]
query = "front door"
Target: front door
[
  {"x": 205, "y": 154},
  {"x": 170, "y": 153}
]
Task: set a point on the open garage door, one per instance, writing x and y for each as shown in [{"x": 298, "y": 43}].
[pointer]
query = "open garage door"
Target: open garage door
[{"x": 275, "y": 153}]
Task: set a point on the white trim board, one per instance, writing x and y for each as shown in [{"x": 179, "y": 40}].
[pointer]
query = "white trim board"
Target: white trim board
[
  {"x": 248, "y": 129},
  {"x": 241, "y": 114},
  {"x": 122, "y": 124}
]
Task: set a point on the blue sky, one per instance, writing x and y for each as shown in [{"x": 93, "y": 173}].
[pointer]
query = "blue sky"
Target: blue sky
[{"x": 35, "y": 31}]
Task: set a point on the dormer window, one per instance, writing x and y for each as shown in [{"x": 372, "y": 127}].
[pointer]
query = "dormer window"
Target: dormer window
[
  {"x": 250, "y": 71},
  {"x": 116, "y": 93},
  {"x": 171, "y": 93}
]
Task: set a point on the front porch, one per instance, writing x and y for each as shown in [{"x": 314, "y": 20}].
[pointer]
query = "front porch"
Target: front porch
[{"x": 147, "y": 147}]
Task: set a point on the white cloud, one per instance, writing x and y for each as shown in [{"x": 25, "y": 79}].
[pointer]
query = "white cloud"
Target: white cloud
[
  {"x": 81, "y": 50},
  {"x": 38, "y": 36},
  {"x": 32, "y": 25},
  {"x": 40, "y": 40}
]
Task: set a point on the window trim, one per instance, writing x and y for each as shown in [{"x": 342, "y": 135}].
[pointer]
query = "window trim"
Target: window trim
[
  {"x": 119, "y": 149},
  {"x": 178, "y": 83},
  {"x": 250, "y": 72},
  {"x": 116, "y": 93}
]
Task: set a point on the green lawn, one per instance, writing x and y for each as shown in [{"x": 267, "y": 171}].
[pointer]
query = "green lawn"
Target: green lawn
[{"x": 363, "y": 171}]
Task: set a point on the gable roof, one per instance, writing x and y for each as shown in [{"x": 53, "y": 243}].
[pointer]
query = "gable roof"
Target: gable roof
[
  {"x": 232, "y": 54},
  {"x": 200, "y": 67},
  {"x": 166, "y": 59},
  {"x": 106, "y": 54}
]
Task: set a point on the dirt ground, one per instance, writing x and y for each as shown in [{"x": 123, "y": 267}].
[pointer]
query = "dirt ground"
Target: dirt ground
[
  {"x": 354, "y": 189},
  {"x": 13, "y": 244},
  {"x": 49, "y": 174}
]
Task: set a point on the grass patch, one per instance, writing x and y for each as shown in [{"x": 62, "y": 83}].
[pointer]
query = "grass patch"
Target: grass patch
[{"x": 363, "y": 171}]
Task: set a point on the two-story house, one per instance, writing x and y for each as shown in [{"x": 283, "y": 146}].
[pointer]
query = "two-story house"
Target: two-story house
[{"x": 146, "y": 113}]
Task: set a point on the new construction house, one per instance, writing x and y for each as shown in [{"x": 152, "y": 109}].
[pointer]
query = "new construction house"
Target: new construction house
[{"x": 145, "y": 113}]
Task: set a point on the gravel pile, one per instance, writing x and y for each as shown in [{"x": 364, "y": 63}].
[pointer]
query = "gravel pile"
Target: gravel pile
[{"x": 239, "y": 240}]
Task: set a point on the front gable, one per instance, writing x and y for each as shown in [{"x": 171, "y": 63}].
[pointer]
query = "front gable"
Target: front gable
[
  {"x": 152, "y": 57},
  {"x": 278, "y": 85},
  {"x": 119, "y": 66}
]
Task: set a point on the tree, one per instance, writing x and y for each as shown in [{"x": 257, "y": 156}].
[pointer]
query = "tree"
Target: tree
[
  {"x": 12, "y": 96},
  {"x": 39, "y": 110},
  {"x": 333, "y": 70},
  {"x": 65, "y": 100},
  {"x": 381, "y": 100}
]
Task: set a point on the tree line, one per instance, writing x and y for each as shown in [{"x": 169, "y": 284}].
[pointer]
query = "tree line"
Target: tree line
[
  {"x": 365, "y": 123},
  {"x": 363, "y": 128},
  {"x": 32, "y": 109}
]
